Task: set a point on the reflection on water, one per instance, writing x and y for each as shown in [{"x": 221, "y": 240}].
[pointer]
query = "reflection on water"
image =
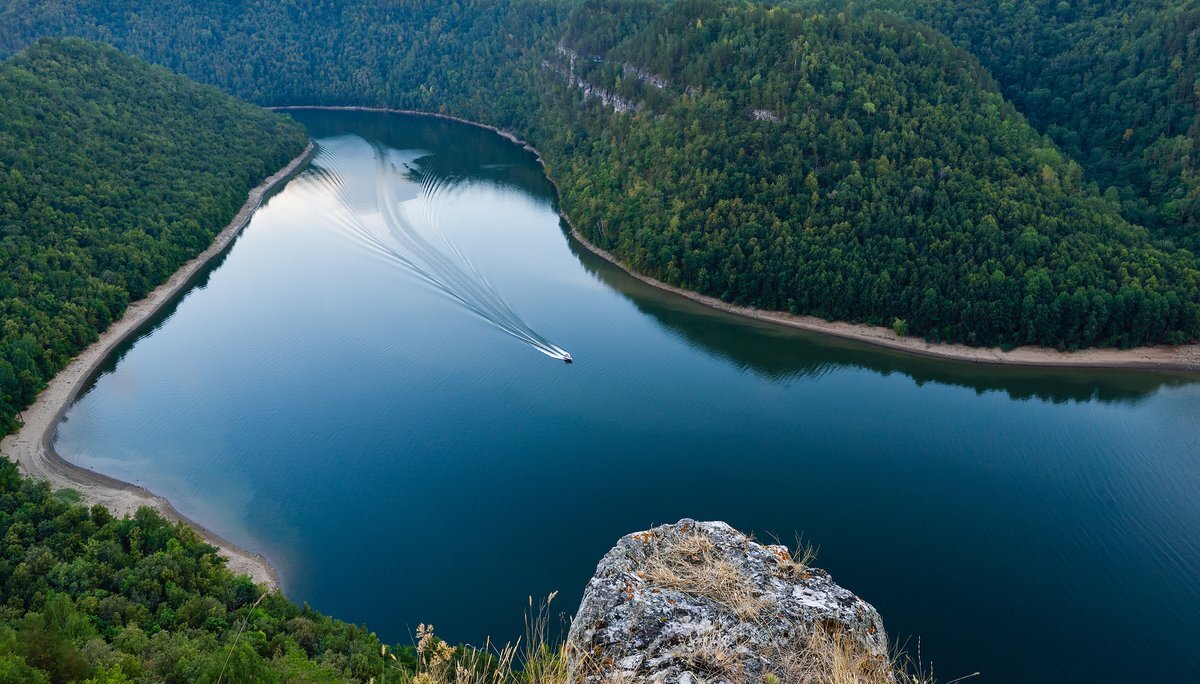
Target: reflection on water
[{"x": 465, "y": 154}]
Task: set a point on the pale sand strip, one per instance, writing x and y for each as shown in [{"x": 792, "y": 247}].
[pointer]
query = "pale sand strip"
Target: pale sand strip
[
  {"x": 1183, "y": 358},
  {"x": 32, "y": 447}
]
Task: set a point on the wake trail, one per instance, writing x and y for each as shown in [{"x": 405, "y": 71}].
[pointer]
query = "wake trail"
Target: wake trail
[
  {"x": 346, "y": 217},
  {"x": 449, "y": 272},
  {"x": 476, "y": 291}
]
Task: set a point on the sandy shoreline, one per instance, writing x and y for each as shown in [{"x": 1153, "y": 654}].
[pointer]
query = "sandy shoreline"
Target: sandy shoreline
[
  {"x": 32, "y": 446},
  {"x": 1179, "y": 359}
]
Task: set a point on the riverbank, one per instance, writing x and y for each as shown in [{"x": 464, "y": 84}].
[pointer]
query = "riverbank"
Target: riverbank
[
  {"x": 1179, "y": 359},
  {"x": 1166, "y": 358},
  {"x": 32, "y": 446}
]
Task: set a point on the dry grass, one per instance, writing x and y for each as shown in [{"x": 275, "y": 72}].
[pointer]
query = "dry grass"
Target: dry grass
[
  {"x": 686, "y": 563},
  {"x": 536, "y": 662},
  {"x": 710, "y": 655},
  {"x": 829, "y": 657}
]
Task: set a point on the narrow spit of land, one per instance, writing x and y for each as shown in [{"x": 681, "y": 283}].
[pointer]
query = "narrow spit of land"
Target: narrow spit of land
[
  {"x": 32, "y": 447},
  {"x": 1166, "y": 358}
]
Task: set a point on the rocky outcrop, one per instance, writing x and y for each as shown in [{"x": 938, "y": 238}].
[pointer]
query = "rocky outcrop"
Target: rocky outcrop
[
  {"x": 645, "y": 76},
  {"x": 700, "y": 602},
  {"x": 606, "y": 97}
]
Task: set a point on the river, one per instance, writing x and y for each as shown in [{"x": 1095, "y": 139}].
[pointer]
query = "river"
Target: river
[{"x": 369, "y": 388}]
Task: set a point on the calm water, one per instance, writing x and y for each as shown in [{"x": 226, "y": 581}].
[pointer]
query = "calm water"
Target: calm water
[{"x": 364, "y": 388}]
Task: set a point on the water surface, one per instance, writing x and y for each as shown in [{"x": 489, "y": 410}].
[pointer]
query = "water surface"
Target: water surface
[{"x": 365, "y": 389}]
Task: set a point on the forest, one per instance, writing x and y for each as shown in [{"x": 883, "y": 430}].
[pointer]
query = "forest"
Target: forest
[
  {"x": 1116, "y": 85},
  {"x": 113, "y": 173},
  {"x": 880, "y": 163}
]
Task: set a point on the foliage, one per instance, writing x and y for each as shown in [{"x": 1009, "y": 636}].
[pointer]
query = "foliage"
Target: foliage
[
  {"x": 853, "y": 168},
  {"x": 91, "y": 598},
  {"x": 113, "y": 173},
  {"x": 1115, "y": 84}
]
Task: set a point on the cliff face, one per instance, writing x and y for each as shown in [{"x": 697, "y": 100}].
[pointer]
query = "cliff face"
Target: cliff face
[{"x": 701, "y": 602}]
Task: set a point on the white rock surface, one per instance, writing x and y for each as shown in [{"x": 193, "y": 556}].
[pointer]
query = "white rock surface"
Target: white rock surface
[{"x": 701, "y": 602}]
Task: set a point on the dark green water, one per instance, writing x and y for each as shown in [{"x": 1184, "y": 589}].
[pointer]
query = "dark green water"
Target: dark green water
[{"x": 357, "y": 390}]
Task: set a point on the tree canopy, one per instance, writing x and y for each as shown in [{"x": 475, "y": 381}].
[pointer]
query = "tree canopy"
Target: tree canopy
[
  {"x": 113, "y": 173},
  {"x": 1115, "y": 84},
  {"x": 91, "y": 598}
]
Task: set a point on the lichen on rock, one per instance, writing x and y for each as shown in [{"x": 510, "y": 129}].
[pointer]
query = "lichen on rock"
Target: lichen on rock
[{"x": 701, "y": 602}]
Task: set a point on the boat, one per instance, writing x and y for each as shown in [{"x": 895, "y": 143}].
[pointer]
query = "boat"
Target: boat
[{"x": 567, "y": 357}]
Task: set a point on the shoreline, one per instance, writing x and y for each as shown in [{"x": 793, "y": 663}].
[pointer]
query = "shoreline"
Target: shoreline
[
  {"x": 32, "y": 446},
  {"x": 507, "y": 135},
  {"x": 1163, "y": 358}
]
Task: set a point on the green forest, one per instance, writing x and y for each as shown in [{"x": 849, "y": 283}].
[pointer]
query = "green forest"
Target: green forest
[
  {"x": 1116, "y": 85},
  {"x": 113, "y": 173},
  {"x": 895, "y": 162}
]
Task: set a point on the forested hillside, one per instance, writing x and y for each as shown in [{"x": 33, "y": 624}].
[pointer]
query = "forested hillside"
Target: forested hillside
[
  {"x": 848, "y": 163},
  {"x": 1114, "y": 83},
  {"x": 860, "y": 169},
  {"x": 113, "y": 173}
]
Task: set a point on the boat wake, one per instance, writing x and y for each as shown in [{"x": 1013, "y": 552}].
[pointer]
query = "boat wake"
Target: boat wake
[{"x": 402, "y": 230}]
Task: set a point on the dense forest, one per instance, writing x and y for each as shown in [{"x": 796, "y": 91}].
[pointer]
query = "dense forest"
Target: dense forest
[
  {"x": 1115, "y": 84},
  {"x": 113, "y": 173},
  {"x": 843, "y": 161}
]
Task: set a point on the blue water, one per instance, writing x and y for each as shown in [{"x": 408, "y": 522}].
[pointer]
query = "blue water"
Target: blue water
[{"x": 365, "y": 389}]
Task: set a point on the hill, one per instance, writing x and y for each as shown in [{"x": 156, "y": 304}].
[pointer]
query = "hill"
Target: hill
[
  {"x": 113, "y": 173},
  {"x": 1115, "y": 84}
]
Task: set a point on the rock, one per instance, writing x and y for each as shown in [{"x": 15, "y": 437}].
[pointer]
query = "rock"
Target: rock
[{"x": 700, "y": 602}]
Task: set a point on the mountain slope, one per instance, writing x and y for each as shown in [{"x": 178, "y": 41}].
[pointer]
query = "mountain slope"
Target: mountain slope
[
  {"x": 1116, "y": 84},
  {"x": 113, "y": 173},
  {"x": 855, "y": 168}
]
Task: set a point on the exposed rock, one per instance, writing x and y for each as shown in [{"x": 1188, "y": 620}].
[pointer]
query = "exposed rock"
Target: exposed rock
[
  {"x": 700, "y": 602},
  {"x": 645, "y": 76},
  {"x": 606, "y": 97}
]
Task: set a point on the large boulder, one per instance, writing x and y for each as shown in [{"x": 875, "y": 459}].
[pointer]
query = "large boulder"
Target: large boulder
[{"x": 700, "y": 602}]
